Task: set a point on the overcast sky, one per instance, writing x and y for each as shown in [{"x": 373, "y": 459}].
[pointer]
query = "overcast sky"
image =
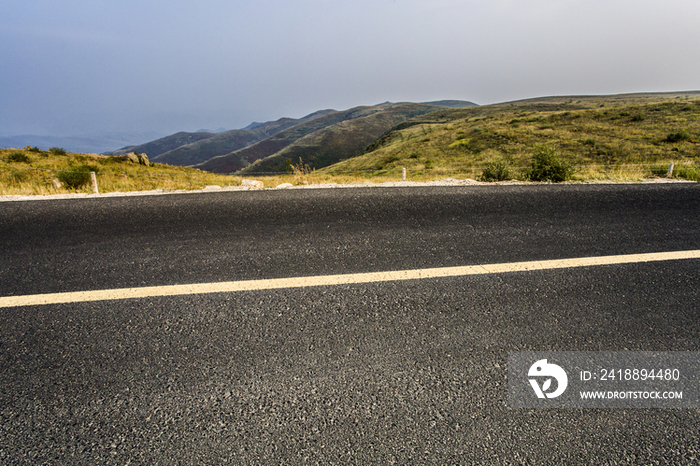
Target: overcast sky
[{"x": 72, "y": 67}]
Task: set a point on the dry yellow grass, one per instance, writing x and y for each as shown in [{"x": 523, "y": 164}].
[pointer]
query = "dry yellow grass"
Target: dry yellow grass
[{"x": 35, "y": 176}]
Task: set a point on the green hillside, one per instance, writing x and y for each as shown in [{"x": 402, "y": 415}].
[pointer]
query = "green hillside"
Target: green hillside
[
  {"x": 239, "y": 159},
  {"x": 224, "y": 143},
  {"x": 607, "y": 130},
  {"x": 330, "y": 139},
  {"x": 160, "y": 146}
]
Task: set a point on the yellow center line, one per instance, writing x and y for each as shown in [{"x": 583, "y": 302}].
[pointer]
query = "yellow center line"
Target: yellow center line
[{"x": 343, "y": 279}]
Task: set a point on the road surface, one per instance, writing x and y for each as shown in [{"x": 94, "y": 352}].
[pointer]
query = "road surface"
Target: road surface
[{"x": 389, "y": 372}]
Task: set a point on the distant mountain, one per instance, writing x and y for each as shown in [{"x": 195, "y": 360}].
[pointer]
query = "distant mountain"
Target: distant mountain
[
  {"x": 90, "y": 144},
  {"x": 323, "y": 141},
  {"x": 160, "y": 146},
  {"x": 233, "y": 150},
  {"x": 239, "y": 159},
  {"x": 224, "y": 143}
]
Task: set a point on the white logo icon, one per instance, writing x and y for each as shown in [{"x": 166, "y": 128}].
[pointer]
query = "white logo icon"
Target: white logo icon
[{"x": 542, "y": 369}]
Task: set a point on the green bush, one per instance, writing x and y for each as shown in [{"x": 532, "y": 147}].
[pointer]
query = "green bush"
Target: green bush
[
  {"x": 689, "y": 173},
  {"x": 17, "y": 156},
  {"x": 496, "y": 171},
  {"x": 677, "y": 137},
  {"x": 33, "y": 149},
  {"x": 57, "y": 151},
  {"x": 547, "y": 166},
  {"x": 76, "y": 177}
]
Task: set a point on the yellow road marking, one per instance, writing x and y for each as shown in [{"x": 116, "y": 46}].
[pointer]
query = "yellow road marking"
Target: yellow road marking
[{"x": 344, "y": 279}]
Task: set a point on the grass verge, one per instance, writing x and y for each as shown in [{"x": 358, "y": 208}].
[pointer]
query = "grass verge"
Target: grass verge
[{"x": 30, "y": 171}]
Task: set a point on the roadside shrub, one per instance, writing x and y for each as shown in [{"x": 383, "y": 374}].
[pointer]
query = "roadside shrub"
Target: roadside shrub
[
  {"x": 547, "y": 166},
  {"x": 76, "y": 177},
  {"x": 57, "y": 151},
  {"x": 678, "y": 137},
  {"x": 496, "y": 171},
  {"x": 33, "y": 149},
  {"x": 17, "y": 156},
  {"x": 689, "y": 173},
  {"x": 301, "y": 168}
]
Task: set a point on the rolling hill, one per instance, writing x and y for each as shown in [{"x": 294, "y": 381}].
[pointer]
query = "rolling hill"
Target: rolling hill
[
  {"x": 160, "y": 146},
  {"x": 607, "y": 131},
  {"x": 322, "y": 141},
  {"x": 229, "y": 141}
]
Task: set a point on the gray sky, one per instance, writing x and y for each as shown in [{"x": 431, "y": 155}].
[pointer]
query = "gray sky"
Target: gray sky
[{"x": 72, "y": 67}]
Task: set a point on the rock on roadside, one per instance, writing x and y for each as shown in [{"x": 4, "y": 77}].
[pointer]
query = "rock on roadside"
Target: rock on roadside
[
  {"x": 252, "y": 184},
  {"x": 133, "y": 157}
]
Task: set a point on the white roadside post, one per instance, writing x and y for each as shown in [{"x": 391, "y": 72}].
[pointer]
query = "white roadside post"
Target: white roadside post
[
  {"x": 93, "y": 178},
  {"x": 670, "y": 170},
  {"x": 403, "y": 174}
]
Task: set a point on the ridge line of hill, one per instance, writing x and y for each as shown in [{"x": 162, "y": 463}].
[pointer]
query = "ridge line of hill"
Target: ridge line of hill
[
  {"x": 189, "y": 149},
  {"x": 323, "y": 141},
  {"x": 220, "y": 144},
  {"x": 328, "y": 137}
]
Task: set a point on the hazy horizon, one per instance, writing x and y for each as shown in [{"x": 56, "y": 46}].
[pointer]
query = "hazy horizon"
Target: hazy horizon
[{"x": 78, "y": 67}]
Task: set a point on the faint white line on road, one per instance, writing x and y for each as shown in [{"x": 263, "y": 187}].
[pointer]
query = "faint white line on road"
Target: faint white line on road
[{"x": 345, "y": 279}]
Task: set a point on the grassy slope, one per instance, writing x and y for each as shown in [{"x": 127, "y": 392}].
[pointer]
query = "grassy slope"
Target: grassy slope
[
  {"x": 34, "y": 174},
  {"x": 239, "y": 159},
  {"x": 608, "y": 130},
  {"x": 341, "y": 140},
  {"x": 224, "y": 143},
  {"x": 197, "y": 152},
  {"x": 160, "y": 146}
]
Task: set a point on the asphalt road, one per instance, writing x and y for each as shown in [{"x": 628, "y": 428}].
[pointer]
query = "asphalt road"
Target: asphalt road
[{"x": 406, "y": 372}]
